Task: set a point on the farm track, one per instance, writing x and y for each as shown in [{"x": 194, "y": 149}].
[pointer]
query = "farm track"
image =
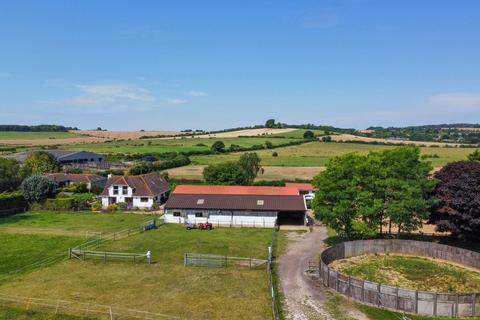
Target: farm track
[{"x": 305, "y": 297}]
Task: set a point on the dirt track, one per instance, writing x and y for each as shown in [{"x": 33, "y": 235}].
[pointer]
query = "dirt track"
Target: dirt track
[{"x": 305, "y": 296}]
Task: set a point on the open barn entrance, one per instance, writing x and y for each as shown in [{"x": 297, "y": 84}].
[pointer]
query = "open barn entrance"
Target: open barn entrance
[{"x": 296, "y": 218}]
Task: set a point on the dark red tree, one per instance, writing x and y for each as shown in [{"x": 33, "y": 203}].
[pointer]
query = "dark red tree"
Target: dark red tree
[{"x": 458, "y": 190}]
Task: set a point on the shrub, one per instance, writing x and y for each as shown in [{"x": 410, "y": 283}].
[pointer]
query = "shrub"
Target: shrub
[
  {"x": 76, "y": 187},
  {"x": 112, "y": 207},
  {"x": 122, "y": 206},
  {"x": 11, "y": 200},
  {"x": 58, "y": 204},
  {"x": 274, "y": 154},
  {"x": 96, "y": 206},
  {"x": 38, "y": 187},
  {"x": 155, "y": 206}
]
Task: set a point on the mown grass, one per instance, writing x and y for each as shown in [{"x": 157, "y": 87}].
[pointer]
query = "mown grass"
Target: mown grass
[
  {"x": 20, "y": 250},
  {"x": 318, "y": 153},
  {"x": 171, "y": 145},
  {"x": 20, "y": 135},
  {"x": 69, "y": 223},
  {"x": 411, "y": 272},
  {"x": 166, "y": 286},
  {"x": 15, "y": 313}
]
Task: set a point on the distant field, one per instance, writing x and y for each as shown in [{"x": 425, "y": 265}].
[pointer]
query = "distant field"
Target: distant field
[
  {"x": 269, "y": 173},
  {"x": 13, "y": 135},
  {"x": 298, "y": 133},
  {"x": 171, "y": 145},
  {"x": 315, "y": 154}
]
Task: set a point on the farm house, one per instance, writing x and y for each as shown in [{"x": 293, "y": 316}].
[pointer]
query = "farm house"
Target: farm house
[{"x": 236, "y": 205}]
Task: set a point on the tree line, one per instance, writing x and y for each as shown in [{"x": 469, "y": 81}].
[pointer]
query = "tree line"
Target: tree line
[{"x": 37, "y": 128}]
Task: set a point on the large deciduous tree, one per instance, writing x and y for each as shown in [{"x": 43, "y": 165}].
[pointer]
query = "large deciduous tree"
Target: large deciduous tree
[
  {"x": 459, "y": 192},
  {"x": 218, "y": 146},
  {"x": 41, "y": 162},
  {"x": 227, "y": 173},
  {"x": 250, "y": 164},
  {"x": 12, "y": 174},
  {"x": 358, "y": 195}
]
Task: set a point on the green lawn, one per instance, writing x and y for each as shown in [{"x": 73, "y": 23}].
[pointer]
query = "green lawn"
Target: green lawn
[
  {"x": 166, "y": 286},
  {"x": 69, "y": 223},
  {"x": 20, "y": 250},
  {"x": 15, "y": 313},
  {"x": 411, "y": 272},
  {"x": 171, "y": 145},
  {"x": 318, "y": 153},
  {"x": 381, "y": 314},
  {"x": 14, "y": 135}
]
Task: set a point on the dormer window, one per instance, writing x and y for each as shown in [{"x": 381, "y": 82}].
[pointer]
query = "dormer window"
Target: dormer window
[{"x": 200, "y": 201}]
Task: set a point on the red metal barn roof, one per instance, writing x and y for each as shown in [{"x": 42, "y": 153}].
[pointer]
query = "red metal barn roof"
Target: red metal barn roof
[
  {"x": 236, "y": 202},
  {"x": 235, "y": 190}
]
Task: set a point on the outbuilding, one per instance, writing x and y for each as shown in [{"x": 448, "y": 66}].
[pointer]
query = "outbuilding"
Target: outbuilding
[{"x": 250, "y": 206}]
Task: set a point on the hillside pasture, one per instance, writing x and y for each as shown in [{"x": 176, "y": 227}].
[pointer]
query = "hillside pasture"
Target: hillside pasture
[
  {"x": 166, "y": 286},
  {"x": 172, "y": 145},
  {"x": 270, "y": 172},
  {"x": 317, "y": 154}
]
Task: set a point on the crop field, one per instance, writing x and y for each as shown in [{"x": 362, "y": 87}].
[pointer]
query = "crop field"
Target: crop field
[
  {"x": 269, "y": 173},
  {"x": 411, "y": 272},
  {"x": 171, "y": 145},
  {"x": 314, "y": 154},
  {"x": 298, "y": 134},
  {"x": 12, "y": 135},
  {"x": 166, "y": 286}
]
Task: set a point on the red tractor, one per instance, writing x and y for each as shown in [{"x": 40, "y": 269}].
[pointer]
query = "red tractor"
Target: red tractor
[{"x": 205, "y": 226}]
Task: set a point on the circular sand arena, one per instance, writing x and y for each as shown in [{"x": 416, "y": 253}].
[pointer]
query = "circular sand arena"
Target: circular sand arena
[{"x": 405, "y": 275}]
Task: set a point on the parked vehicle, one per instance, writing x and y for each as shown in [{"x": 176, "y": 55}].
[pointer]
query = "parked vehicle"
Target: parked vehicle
[{"x": 205, "y": 226}]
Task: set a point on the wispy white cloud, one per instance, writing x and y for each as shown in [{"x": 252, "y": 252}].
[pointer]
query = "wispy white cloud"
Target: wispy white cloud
[
  {"x": 114, "y": 91},
  {"x": 195, "y": 93},
  {"x": 176, "y": 101}
]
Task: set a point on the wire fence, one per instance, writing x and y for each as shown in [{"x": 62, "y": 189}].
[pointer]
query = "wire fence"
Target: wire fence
[
  {"x": 59, "y": 306},
  {"x": 213, "y": 260},
  {"x": 272, "y": 284},
  {"x": 112, "y": 256}
]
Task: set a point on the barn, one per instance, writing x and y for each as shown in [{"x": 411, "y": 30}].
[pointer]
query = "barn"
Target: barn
[{"x": 249, "y": 206}]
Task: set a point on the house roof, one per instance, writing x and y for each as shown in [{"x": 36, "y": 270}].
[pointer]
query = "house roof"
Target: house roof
[
  {"x": 235, "y": 190},
  {"x": 74, "y": 177},
  {"x": 236, "y": 202},
  {"x": 150, "y": 184},
  {"x": 58, "y": 154}
]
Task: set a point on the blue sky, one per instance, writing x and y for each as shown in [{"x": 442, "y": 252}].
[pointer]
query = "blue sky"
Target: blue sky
[{"x": 215, "y": 64}]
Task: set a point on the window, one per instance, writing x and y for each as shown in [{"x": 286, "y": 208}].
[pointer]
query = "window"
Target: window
[
  {"x": 260, "y": 202},
  {"x": 91, "y": 159},
  {"x": 143, "y": 199},
  {"x": 176, "y": 214},
  {"x": 124, "y": 190},
  {"x": 200, "y": 201},
  {"x": 115, "y": 189},
  {"x": 198, "y": 214},
  {"x": 99, "y": 159}
]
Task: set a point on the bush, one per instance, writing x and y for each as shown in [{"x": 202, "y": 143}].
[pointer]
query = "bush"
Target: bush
[
  {"x": 112, "y": 207},
  {"x": 274, "y": 154},
  {"x": 11, "y": 200},
  {"x": 76, "y": 187},
  {"x": 38, "y": 187},
  {"x": 122, "y": 206},
  {"x": 96, "y": 206},
  {"x": 146, "y": 167},
  {"x": 58, "y": 204},
  {"x": 155, "y": 206}
]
